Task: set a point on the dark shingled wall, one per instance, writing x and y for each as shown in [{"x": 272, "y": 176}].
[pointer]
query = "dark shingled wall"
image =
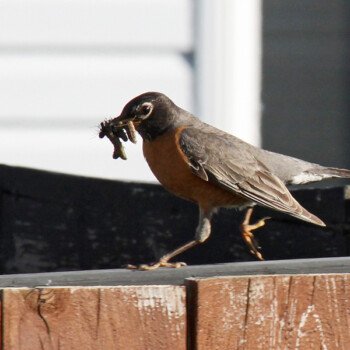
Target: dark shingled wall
[{"x": 306, "y": 79}]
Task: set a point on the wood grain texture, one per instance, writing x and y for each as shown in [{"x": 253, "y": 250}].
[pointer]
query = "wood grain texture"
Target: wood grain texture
[
  {"x": 302, "y": 312},
  {"x": 143, "y": 317}
]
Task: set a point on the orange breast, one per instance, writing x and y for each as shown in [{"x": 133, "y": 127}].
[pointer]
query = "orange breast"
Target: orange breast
[{"x": 169, "y": 164}]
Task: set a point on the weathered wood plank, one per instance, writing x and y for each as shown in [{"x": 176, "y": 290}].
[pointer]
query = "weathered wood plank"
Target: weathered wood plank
[
  {"x": 143, "y": 317},
  {"x": 163, "y": 276},
  {"x": 272, "y": 312}
]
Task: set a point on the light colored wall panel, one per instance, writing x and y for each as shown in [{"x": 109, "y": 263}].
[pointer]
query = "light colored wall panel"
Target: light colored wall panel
[
  {"x": 228, "y": 57},
  {"x": 110, "y": 23},
  {"x": 39, "y": 88},
  {"x": 67, "y": 65},
  {"x": 73, "y": 151}
]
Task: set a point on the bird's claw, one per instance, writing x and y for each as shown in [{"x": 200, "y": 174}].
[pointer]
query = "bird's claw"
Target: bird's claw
[
  {"x": 156, "y": 265},
  {"x": 249, "y": 239}
]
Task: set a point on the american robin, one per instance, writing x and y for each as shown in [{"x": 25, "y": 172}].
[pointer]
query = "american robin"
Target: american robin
[{"x": 214, "y": 169}]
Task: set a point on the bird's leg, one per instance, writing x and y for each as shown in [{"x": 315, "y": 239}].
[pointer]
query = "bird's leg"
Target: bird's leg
[
  {"x": 202, "y": 233},
  {"x": 248, "y": 236}
]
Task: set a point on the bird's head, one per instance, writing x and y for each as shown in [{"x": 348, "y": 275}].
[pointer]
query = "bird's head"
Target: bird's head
[{"x": 152, "y": 113}]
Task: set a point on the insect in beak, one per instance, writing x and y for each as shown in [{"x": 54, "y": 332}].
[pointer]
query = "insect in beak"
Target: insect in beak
[{"x": 116, "y": 131}]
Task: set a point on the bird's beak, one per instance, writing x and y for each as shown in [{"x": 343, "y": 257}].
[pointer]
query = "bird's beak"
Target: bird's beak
[
  {"x": 114, "y": 125},
  {"x": 122, "y": 121}
]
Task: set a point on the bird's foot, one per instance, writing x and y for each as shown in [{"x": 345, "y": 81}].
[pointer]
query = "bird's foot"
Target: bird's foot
[
  {"x": 249, "y": 239},
  {"x": 156, "y": 265}
]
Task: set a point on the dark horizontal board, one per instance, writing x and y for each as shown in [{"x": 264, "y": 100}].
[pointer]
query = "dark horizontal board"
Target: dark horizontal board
[
  {"x": 175, "y": 276},
  {"x": 55, "y": 222}
]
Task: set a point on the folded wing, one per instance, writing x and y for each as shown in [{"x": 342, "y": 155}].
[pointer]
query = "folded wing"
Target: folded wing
[{"x": 229, "y": 163}]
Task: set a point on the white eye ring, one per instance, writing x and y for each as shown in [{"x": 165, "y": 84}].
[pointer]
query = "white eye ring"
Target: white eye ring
[{"x": 146, "y": 109}]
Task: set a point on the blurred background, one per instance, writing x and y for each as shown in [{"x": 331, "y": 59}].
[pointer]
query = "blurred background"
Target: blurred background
[{"x": 273, "y": 72}]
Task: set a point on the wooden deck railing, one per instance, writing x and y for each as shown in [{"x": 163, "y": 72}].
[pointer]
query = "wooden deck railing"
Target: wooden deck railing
[
  {"x": 56, "y": 222},
  {"x": 298, "y": 304}
]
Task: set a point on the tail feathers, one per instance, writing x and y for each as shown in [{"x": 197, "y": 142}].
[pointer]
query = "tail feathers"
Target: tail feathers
[
  {"x": 335, "y": 172},
  {"x": 318, "y": 174}
]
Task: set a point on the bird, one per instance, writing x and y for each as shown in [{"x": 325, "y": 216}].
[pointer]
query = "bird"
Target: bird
[{"x": 214, "y": 169}]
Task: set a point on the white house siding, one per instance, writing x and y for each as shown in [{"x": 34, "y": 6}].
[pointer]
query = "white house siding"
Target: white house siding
[{"x": 67, "y": 65}]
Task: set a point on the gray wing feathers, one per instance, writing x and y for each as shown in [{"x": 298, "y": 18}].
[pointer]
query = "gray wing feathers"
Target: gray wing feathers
[{"x": 230, "y": 163}]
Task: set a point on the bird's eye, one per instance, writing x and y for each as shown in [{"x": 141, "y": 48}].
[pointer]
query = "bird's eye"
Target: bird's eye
[{"x": 146, "y": 109}]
